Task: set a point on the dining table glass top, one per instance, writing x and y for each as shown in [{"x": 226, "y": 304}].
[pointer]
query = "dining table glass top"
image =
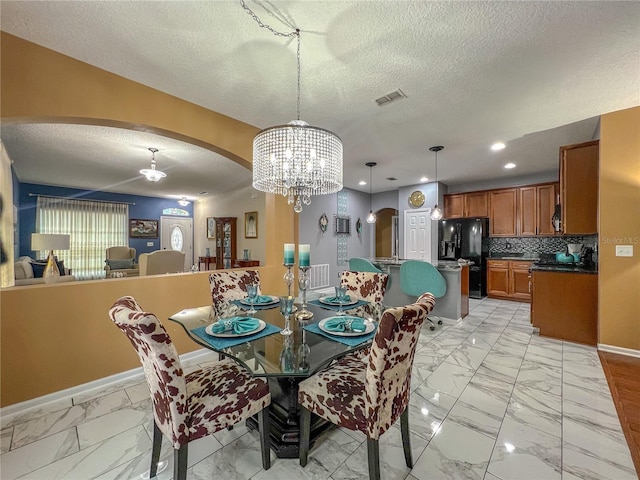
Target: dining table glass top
[{"x": 300, "y": 354}]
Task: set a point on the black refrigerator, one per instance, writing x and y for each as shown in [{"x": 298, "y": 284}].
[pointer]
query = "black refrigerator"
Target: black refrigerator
[{"x": 466, "y": 238}]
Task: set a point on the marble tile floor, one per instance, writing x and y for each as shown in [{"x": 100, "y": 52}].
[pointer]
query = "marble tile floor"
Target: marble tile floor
[{"x": 489, "y": 401}]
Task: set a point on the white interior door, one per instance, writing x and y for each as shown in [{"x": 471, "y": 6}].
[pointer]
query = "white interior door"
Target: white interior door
[
  {"x": 176, "y": 233},
  {"x": 417, "y": 235}
]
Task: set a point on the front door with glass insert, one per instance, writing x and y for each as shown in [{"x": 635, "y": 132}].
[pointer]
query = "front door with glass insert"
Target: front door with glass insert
[{"x": 176, "y": 233}]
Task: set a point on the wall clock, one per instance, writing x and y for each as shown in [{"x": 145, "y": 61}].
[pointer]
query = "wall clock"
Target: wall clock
[{"x": 416, "y": 199}]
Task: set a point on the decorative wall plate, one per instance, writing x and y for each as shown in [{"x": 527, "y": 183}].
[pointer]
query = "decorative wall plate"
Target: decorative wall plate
[
  {"x": 416, "y": 198},
  {"x": 359, "y": 226},
  {"x": 324, "y": 223}
]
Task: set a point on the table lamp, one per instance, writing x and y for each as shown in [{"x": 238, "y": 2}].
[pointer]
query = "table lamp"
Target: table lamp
[{"x": 51, "y": 242}]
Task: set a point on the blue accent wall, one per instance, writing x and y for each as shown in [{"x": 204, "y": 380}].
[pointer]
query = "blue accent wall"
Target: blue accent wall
[{"x": 145, "y": 208}]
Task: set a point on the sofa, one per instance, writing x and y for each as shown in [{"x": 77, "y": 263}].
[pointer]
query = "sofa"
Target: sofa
[
  {"x": 28, "y": 271},
  {"x": 121, "y": 261},
  {"x": 161, "y": 262}
]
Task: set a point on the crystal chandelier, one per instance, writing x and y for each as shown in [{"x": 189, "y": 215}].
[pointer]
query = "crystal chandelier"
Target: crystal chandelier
[
  {"x": 436, "y": 211},
  {"x": 152, "y": 174},
  {"x": 296, "y": 160}
]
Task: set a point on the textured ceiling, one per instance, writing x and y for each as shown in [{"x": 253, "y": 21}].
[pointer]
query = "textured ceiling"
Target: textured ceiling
[{"x": 534, "y": 75}]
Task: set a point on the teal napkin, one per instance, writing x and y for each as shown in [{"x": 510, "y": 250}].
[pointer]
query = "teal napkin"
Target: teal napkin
[
  {"x": 346, "y": 298},
  {"x": 235, "y": 324},
  {"x": 346, "y": 323},
  {"x": 261, "y": 299}
]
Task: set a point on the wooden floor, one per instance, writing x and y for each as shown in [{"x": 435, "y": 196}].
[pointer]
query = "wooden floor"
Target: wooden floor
[{"x": 623, "y": 375}]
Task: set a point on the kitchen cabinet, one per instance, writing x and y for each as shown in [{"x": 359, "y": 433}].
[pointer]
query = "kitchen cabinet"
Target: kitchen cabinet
[
  {"x": 536, "y": 205},
  {"x": 565, "y": 305},
  {"x": 503, "y": 212},
  {"x": 466, "y": 205},
  {"x": 508, "y": 279},
  {"x": 579, "y": 188},
  {"x": 225, "y": 241}
]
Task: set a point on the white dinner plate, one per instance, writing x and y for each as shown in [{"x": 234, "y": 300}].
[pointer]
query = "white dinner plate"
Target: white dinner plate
[
  {"x": 245, "y": 301},
  {"x": 370, "y": 327},
  {"x": 261, "y": 327},
  {"x": 352, "y": 301}
]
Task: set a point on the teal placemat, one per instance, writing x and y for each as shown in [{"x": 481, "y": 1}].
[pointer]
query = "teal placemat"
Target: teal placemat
[
  {"x": 345, "y": 308},
  {"x": 257, "y": 306},
  {"x": 351, "y": 341},
  {"x": 220, "y": 343}
]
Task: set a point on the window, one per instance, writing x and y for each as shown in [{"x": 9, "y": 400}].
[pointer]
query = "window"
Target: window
[{"x": 93, "y": 226}]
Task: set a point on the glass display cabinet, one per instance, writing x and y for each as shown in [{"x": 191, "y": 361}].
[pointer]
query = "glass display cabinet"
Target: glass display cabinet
[{"x": 225, "y": 241}]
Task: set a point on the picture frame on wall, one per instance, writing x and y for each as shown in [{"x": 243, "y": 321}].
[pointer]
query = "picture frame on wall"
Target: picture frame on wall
[
  {"x": 251, "y": 225},
  {"x": 211, "y": 228},
  {"x": 139, "y": 228}
]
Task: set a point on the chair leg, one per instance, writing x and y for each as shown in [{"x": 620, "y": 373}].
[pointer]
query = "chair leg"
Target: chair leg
[
  {"x": 305, "y": 432},
  {"x": 155, "y": 450},
  {"x": 432, "y": 326},
  {"x": 406, "y": 439},
  {"x": 180, "y": 462},
  {"x": 373, "y": 453},
  {"x": 265, "y": 442}
]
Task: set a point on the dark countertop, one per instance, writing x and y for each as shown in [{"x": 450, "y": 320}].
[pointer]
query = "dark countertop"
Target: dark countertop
[
  {"x": 526, "y": 258},
  {"x": 568, "y": 268}
]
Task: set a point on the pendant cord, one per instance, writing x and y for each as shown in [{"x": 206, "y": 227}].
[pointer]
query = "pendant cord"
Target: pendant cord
[{"x": 295, "y": 33}]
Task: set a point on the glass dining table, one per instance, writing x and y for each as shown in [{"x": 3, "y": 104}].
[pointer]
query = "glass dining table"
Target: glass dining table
[{"x": 284, "y": 361}]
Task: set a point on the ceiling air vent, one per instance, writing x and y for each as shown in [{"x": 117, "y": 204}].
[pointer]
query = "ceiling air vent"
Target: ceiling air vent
[
  {"x": 390, "y": 97},
  {"x": 392, "y": 178}
]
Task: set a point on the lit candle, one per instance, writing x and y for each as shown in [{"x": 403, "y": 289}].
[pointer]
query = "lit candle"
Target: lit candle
[
  {"x": 303, "y": 255},
  {"x": 288, "y": 253}
]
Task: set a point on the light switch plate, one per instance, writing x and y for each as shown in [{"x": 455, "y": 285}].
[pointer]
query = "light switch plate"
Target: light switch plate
[
  {"x": 624, "y": 250},
  {"x": 149, "y": 244}
]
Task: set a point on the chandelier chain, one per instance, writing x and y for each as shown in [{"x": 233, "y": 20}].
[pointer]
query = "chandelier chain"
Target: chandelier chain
[{"x": 295, "y": 33}]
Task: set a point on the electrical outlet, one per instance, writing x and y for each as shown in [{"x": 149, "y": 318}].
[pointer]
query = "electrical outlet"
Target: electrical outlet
[
  {"x": 149, "y": 244},
  {"x": 624, "y": 250}
]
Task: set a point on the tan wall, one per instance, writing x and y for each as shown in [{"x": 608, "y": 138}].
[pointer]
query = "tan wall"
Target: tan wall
[
  {"x": 619, "y": 207},
  {"x": 53, "y": 337},
  {"x": 59, "y": 336}
]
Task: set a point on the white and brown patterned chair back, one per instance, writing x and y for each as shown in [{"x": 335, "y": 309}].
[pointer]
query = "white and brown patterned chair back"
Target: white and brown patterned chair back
[
  {"x": 391, "y": 355},
  {"x": 230, "y": 285},
  {"x": 368, "y": 286},
  {"x": 161, "y": 366}
]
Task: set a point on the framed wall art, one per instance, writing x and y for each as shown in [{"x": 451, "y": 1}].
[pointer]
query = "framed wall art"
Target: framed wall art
[
  {"x": 251, "y": 225},
  {"x": 211, "y": 228},
  {"x": 143, "y": 228}
]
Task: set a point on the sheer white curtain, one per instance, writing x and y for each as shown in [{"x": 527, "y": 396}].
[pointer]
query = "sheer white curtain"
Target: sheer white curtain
[{"x": 93, "y": 226}]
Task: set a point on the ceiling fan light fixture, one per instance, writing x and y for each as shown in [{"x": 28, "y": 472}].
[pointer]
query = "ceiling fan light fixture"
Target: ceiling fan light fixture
[
  {"x": 296, "y": 160},
  {"x": 371, "y": 218},
  {"x": 436, "y": 211},
  {"x": 183, "y": 202},
  {"x": 152, "y": 174}
]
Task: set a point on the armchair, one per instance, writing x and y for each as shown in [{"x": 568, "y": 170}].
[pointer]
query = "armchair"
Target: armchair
[
  {"x": 160, "y": 262},
  {"x": 121, "y": 260}
]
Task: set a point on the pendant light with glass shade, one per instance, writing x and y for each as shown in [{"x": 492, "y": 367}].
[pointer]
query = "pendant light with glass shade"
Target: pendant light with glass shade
[
  {"x": 152, "y": 174},
  {"x": 436, "y": 211},
  {"x": 296, "y": 160},
  {"x": 371, "y": 218}
]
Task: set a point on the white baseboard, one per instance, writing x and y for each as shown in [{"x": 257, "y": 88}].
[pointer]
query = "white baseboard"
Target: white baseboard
[
  {"x": 10, "y": 411},
  {"x": 619, "y": 350}
]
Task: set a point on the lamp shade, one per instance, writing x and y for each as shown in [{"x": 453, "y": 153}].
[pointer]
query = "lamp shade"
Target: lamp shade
[{"x": 50, "y": 241}]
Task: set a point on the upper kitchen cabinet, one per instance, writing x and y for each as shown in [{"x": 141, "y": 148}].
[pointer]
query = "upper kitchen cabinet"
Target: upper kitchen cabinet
[
  {"x": 579, "y": 188},
  {"x": 466, "y": 205},
  {"x": 536, "y": 207},
  {"x": 503, "y": 212}
]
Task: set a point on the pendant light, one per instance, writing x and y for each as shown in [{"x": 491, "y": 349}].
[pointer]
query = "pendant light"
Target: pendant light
[
  {"x": 152, "y": 174},
  {"x": 296, "y": 160},
  {"x": 436, "y": 211},
  {"x": 371, "y": 218}
]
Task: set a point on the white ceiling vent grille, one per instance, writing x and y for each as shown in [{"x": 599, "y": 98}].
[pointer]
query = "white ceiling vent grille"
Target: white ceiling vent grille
[{"x": 390, "y": 97}]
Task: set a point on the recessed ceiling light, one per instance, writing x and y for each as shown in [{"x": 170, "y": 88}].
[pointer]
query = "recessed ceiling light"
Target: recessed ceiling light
[
  {"x": 497, "y": 146},
  {"x": 510, "y": 165},
  {"x": 424, "y": 179},
  {"x": 362, "y": 182}
]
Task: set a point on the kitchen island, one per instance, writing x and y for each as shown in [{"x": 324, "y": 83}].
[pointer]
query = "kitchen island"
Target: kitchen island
[{"x": 453, "y": 305}]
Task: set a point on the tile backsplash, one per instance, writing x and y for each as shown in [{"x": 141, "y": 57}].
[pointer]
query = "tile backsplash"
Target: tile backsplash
[{"x": 510, "y": 245}]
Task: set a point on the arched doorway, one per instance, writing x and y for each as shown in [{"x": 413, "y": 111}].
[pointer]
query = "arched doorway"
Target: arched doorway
[{"x": 387, "y": 232}]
